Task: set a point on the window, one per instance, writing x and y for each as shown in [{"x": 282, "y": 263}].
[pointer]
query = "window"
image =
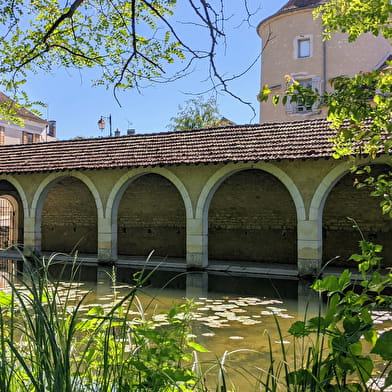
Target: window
[
  {"x": 302, "y": 106},
  {"x": 303, "y": 48},
  {"x": 28, "y": 138}
]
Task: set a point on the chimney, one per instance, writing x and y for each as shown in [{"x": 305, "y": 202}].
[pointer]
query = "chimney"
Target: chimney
[
  {"x": 130, "y": 131},
  {"x": 52, "y": 128},
  {"x": 116, "y": 133}
]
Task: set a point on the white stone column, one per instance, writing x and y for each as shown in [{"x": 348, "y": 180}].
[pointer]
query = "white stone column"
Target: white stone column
[
  {"x": 31, "y": 237},
  {"x": 196, "y": 244},
  {"x": 309, "y": 247},
  {"x": 106, "y": 251}
]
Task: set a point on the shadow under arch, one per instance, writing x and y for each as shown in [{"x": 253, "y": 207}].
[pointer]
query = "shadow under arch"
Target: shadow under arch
[
  {"x": 221, "y": 175},
  {"x": 332, "y": 197},
  {"x": 122, "y": 185},
  {"x": 19, "y": 189},
  {"x": 14, "y": 208},
  {"x": 273, "y": 172},
  {"x": 41, "y": 195},
  {"x": 330, "y": 180}
]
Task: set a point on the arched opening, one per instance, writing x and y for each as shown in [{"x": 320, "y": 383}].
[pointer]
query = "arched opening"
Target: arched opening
[
  {"x": 252, "y": 217},
  {"x": 11, "y": 215},
  {"x": 345, "y": 201},
  {"x": 69, "y": 218},
  {"x": 151, "y": 216}
]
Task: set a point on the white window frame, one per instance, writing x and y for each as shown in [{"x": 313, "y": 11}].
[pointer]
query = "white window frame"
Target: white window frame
[
  {"x": 295, "y": 107},
  {"x": 296, "y": 46}
]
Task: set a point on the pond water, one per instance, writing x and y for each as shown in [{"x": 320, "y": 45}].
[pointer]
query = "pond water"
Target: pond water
[{"x": 233, "y": 316}]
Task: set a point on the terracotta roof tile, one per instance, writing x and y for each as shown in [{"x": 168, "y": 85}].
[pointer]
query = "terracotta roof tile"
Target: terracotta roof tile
[{"x": 261, "y": 142}]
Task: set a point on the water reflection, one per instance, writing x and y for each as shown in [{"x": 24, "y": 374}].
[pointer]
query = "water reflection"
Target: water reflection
[
  {"x": 234, "y": 316},
  {"x": 8, "y": 270}
]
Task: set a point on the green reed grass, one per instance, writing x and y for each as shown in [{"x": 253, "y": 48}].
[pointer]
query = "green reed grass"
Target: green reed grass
[{"x": 49, "y": 343}]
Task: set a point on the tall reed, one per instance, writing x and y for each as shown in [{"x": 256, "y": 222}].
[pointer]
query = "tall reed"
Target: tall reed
[{"x": 50, "y": 343}]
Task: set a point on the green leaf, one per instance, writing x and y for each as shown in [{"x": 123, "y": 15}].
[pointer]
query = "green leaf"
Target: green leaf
[
  {"x": 351, "y": 324},
  {"x": 364, "y": 367},
  {"x": 198, "y": 347},
  {"x": 383, "y": 346},
  {"x": 298, "y": 329}
]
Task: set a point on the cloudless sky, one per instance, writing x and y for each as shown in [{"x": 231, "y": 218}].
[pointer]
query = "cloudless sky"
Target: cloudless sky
[{"x": 77, "y": 107}]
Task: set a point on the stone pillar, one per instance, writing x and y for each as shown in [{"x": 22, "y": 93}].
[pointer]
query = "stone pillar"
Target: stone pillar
[
  {"x": 31, "y": 237},
  {"x": 196, "y": 244},
  {"x": 309, "y": 247},
  {"x": 106, "y": 251}
]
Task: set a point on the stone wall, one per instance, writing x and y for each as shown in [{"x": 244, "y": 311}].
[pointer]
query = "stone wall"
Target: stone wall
[
  {"x": 69, "y": 218},
  {"x": 249, "y": 212},
  {"x": 151, "y": 216},
  {"x": 345, "y": 200}
]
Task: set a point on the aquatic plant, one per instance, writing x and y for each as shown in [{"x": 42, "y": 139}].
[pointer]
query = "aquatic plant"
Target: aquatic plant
[
  {"x": 52, "y": 341},
  {"x": 328, "y": 350}
]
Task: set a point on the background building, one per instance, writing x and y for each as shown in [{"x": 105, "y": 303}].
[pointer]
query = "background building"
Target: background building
[
  {"x": 35, "y": 129},
  {"x": 293, "y": 45}
]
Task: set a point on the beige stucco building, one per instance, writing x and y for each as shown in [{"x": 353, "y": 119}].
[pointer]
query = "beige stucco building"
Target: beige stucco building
[
  {"x": 33, "y": 130},
  {"x": 293, "y": 45}
]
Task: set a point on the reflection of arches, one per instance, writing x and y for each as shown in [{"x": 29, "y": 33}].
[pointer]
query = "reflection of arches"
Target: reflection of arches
[
  {"x": 346, "y": 200},
  {"x": 250, "y": 211},
  {"x": 150, "y": 215},
  {"x": 8, "y": 221},
  {"x": 122, "y": 185},
  {"x": 67, "y": 209}
]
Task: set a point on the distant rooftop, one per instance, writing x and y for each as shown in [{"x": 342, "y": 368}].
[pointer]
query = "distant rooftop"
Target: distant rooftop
[{"x": 22, "y": 112}]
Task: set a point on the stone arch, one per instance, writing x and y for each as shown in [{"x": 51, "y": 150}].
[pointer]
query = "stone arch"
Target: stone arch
[
  {"x": 19, "y": 189},
  {"x": 322, "y": 191},
  {"x": 217, "y": 178},
  {"x": 83, "y": 235},
  {"x": 271, "y": 171},
  {"x": 332, "y": 204},
  {"x": 131, "y": 240},
  {"x": 13, "y": 195}
]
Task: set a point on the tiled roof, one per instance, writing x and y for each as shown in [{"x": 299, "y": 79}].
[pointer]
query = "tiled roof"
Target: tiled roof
[
  {"x": 297, "y": 4},
  {"x": 294, "y": 5},
  {"x": 22, "y": 112},
  {"x": 261, "y": 142}
]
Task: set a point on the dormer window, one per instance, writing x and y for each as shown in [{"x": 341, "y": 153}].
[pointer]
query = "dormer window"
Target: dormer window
[{"x": 303, "y": 46}]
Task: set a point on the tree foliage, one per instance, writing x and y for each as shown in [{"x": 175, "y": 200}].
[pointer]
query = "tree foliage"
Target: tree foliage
[
  {"x": 198, "y": 113},
  {"x": 128, "y": 42}
]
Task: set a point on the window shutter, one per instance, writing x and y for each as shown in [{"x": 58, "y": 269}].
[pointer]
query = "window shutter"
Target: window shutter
[
  {"x": 37, "y": 138},
  {"x": 24, "y": 137},
  {"x": 2, "y": 135},
  {"x": 316, "y": 86},
  {"x": 290, "y": 106}
]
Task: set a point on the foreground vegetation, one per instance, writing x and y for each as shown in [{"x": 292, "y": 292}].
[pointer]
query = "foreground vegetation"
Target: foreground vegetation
[{"x": 52, "y": 340}]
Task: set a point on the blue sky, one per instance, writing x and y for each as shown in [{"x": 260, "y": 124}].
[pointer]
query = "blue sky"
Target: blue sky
[{"x": 77, "y": 107}]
